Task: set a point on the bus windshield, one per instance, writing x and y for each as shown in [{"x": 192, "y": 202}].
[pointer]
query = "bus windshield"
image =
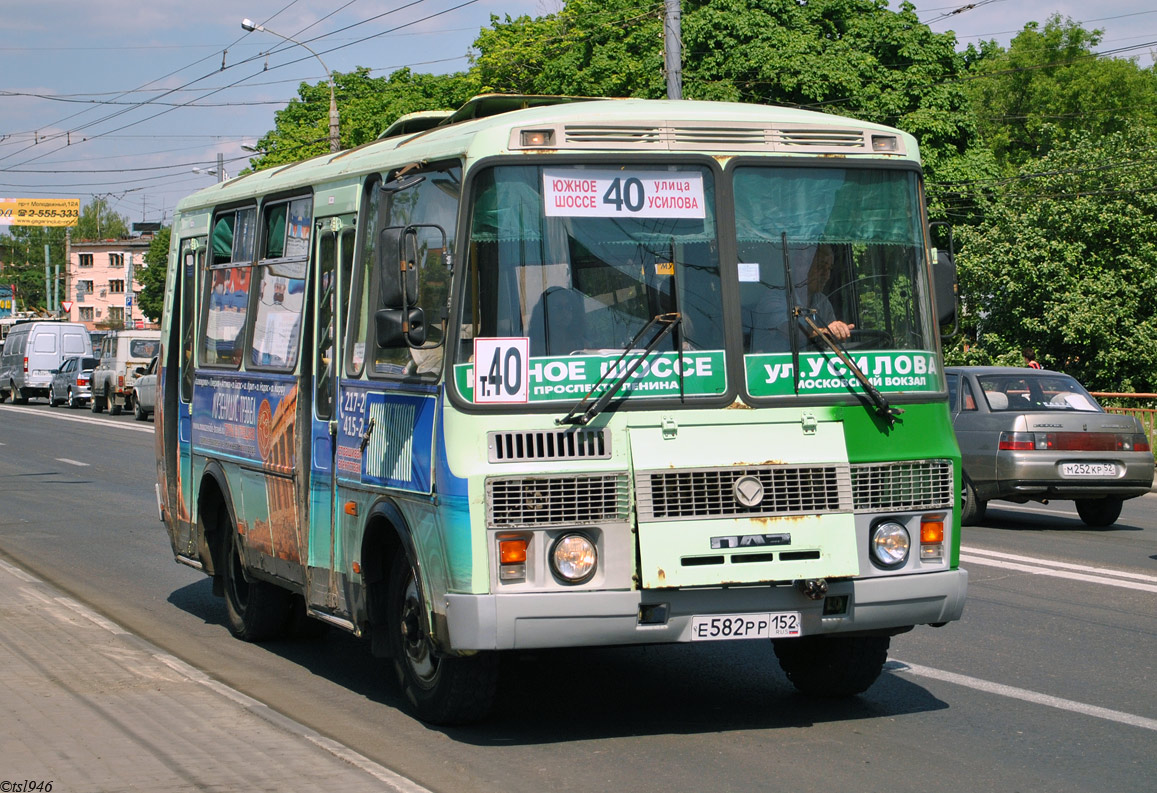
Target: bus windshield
[
  {"x": 849, "y": 242},
  {"x": 578, "y": 260}
]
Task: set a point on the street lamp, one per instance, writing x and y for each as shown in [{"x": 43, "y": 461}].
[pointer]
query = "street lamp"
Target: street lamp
[{"x": 334, "y": 142}]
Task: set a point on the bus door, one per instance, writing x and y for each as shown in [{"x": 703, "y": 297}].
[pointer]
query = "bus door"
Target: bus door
[
  {"x": 177, "y": 425},
  {"x": 335, "y": 241}
]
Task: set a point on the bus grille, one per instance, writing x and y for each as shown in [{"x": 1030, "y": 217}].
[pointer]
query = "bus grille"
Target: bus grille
[
  {"x": 524, "y": 501},
  {"x": 902, "y": 486},
  {"x": 710, "y": 492},
  {"x": 548, "y": 445}
]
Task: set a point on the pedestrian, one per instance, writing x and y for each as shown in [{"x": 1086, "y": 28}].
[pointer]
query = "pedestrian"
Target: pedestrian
[{"x": 1030, "y": 358}]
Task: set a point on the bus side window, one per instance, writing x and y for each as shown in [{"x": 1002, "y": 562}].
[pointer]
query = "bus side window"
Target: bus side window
[
  {"x": 226, "y": 301},
  {"x": 280, "y": 302}
]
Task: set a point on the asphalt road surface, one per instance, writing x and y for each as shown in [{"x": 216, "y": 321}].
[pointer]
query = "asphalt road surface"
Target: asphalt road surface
[{"x": 1047, "y": 684}]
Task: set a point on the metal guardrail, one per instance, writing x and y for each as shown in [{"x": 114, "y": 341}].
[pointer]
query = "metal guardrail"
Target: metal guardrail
[{"x": 1147, "y": 415}]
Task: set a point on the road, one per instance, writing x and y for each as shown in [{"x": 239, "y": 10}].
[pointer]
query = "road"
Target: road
[{"x": 1046, "y": 684}]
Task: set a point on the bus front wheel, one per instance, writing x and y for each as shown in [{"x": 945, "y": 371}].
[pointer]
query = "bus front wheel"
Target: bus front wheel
[
  {"x": 441, "y": 689},
  {"x": 257, "y": 610},
  {"x": 823, "y": 666}
]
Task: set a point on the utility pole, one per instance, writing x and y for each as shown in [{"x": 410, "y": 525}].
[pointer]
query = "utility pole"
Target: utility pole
[{"x": 673, "y": 57}]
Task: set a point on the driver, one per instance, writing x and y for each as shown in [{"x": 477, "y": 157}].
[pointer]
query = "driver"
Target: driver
[{"x": 771, "y": 337}]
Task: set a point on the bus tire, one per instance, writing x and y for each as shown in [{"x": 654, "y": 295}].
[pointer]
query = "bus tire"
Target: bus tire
[
  {"x": 1099, "y": 512},
  {"x": 257, "y": 610},
  {"x": 440, "y": 689},
  {"x": 832, "y": 667}
]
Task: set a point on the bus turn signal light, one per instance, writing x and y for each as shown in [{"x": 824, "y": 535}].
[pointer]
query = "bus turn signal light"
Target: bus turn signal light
[
  {"x": 512, "y": 551},
  {"x": 512, "y": 558},
  {"x": 932, "y": 536}
]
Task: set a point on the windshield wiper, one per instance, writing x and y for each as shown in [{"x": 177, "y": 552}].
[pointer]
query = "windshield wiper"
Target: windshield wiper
[
  {"x": 793, "y": 311},
  {"x": 883, "y": 409},
  {"x": 582, "y": 414}
]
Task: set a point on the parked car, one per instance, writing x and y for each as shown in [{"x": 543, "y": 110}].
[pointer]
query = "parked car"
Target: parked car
[
  {"x": 71, "y": 383},
  {"x": 33, "y": 350},
  {"x": 1037, "y": 435},
  {"x": 121, "y": 353},
  {"x": 145, "y": 390}
]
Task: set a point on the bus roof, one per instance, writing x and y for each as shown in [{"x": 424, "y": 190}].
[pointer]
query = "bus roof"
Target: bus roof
[{"x": 488, "y": 125}]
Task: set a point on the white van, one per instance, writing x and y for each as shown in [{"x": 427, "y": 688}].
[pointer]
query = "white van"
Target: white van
[{"x": 33, "y": 351}]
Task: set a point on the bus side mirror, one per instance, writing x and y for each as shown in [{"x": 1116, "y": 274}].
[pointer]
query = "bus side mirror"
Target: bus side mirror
[
  {"x": 944, "y": 284},
  {"x": 400, "y": 327},
  {"x": 399, "y": 272}
]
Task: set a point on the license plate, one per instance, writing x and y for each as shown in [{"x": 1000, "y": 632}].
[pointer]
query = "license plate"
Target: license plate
[
  {"x": 1088, "y": 469},
  {"x": 721, "y": 627}
]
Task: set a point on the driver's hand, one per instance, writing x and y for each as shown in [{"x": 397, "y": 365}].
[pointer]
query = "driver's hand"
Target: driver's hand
[{"x": 840, "y": 330}]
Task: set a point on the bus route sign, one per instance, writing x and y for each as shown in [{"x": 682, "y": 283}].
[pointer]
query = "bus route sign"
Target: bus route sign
[{"x": 39, "y": 211}]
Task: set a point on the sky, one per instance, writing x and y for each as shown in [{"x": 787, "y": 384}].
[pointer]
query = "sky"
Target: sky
[{"x": 123, "y": 99}]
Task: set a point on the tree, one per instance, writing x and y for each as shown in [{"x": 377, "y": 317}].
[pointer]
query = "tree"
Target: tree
[
  {"x": 99, "y": 222},
  {"x": 1049, "y": 82},
  {"x": 152, "y": 276},
  {"x": 23, "y": 257},
  {"x": 1066, "y": 262},
  {"x": 852, "y": 57},
  {"x": 366, "y": 105}
]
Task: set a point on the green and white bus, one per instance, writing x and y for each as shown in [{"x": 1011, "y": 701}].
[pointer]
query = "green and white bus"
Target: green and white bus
[{"x": 548, "y": 372}]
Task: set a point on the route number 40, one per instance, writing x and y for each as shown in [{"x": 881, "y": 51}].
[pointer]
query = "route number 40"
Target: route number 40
[{"x": 501, "y": 370}]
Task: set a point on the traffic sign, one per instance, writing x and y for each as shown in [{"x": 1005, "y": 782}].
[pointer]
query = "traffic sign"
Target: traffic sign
[{"x": 66, "y": 305}]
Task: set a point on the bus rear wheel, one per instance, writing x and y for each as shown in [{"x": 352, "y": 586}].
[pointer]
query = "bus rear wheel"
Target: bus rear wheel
[
  {"x": 440, "y": 689},
  {"x": 832, "y": 667},
  {"x": 257, "y": 610}
]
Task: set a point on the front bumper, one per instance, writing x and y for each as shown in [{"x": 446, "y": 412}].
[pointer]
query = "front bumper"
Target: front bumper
[{"x": 594, "y": 618}]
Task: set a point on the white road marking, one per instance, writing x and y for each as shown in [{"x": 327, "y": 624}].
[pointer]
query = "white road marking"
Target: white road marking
[
  {"x": 72, "y": 462},
  {"x": 104, "y": 422},
  {"x": 1012, "y": 557},
  {"x": 1040, "y": 567},
  {"x": 1024, "y": 694}
]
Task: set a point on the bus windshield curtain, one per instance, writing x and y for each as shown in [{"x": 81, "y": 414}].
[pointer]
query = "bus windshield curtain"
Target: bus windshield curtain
[{"x": 826, "y": 204}]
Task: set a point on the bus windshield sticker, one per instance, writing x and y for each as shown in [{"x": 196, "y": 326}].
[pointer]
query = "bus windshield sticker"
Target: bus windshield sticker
[
  {"x": 568, "y": 378},
  {"x": 820, "y": 373},
  {"x": 503, "y": 370},
  {"x": 570, "y": 193}
]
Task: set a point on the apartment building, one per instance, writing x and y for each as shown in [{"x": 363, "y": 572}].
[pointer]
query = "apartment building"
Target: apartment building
[{"x": 101, "y": 288}]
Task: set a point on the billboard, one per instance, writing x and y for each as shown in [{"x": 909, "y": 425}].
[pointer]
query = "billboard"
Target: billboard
[{"x": 39, "y": 211}]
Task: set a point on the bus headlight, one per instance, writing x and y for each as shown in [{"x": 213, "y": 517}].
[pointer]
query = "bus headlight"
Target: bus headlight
[
  {"x": 573, "y": 558},
  {"x": 890, "y": 544}
]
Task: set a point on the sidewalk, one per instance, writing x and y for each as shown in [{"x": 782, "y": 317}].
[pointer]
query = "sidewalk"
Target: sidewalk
[{"x": 90, "y": 708}]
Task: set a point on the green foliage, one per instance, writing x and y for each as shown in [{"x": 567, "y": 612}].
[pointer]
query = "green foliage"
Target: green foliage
[
  {"x": 1049, "y": 83},
  {"x": 99, "y": 222},
  {"x": 366, "y": 106},
  {"x": 1065, "y": 262},
  {"x": 152, "y": 276},
  {"x": 22, "y": 252}
]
